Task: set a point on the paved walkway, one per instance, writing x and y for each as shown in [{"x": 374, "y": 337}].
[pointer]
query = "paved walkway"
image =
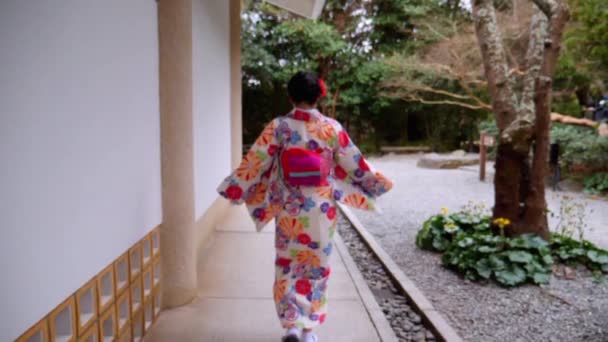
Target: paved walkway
[{"x": 235, "y": 294}]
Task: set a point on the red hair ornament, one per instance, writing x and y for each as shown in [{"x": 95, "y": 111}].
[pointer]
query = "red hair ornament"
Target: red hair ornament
[{"x": 323, "y": 88}]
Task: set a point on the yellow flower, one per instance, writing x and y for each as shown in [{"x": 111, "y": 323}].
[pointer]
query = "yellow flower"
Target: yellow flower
[
  {"x": 502, "y": 222},
  {"x": 450, "y": 227},
  {"x": 445, "y": 210}
]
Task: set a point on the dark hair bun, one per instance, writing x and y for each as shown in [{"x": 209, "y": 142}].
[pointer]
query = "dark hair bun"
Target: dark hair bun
[{"x": 304, "y": 87}]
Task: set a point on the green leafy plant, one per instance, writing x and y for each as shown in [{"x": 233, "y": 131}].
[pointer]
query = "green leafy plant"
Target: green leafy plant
[
  {"x": 597, "y": 184},
  {"x": 570, "y": 251},
  {"x": 508, "y": 261},
  {"x": 581, "y": 146},
  {"x": 439, "y": 231},
  {"x": 473, "y": 249}
]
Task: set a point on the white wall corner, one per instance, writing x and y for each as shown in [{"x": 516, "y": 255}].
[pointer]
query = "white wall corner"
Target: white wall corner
[{"x": 311, "y": 9}]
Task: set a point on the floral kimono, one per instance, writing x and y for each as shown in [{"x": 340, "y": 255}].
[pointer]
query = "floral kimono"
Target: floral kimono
[{"x": 305, "y": 215}]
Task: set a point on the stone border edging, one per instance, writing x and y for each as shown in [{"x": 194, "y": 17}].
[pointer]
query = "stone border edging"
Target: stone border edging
[
  {"x": 432, "y": 317},
  {"x": 384, "y": 329}
]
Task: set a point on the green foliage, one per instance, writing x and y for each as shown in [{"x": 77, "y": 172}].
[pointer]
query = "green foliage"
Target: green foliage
[
  {"x": 581, "y": 146},
  {"x": 489, "y": 126},
  {"x": 567, "y": 106},
  {"x": 351, "y": 46},
  {"x": 571, "y": 251},
  {"x": 509, "y": 261},
  {"x": 597, "y": 184},
  {"x": 439, "y": 231},
  {"x": 587, "y": 39},
  {"x": 578, "y": 145},
  {"x": 470, "y": 247},
  {"x": 348, "y": 46},
  {"x": 583, "y": 64},
  {"x": 569, "y": 75},
  {"x": 394, "y": 25}
]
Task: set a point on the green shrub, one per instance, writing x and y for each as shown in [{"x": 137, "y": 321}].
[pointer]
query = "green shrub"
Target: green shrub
[
  {"x": 581, "y": 146},
  {"x": 471, "y": 248},
  {"x": 509, "y": 261},
  {"x": 567, "y": 106},
  {"x": 571, "y": 251},
  {"x": 489, "y": 126},
  {"x": 439, "y": 231},
  {"x": 597, "y": 184},
  {"x": 578, "y": 145}
]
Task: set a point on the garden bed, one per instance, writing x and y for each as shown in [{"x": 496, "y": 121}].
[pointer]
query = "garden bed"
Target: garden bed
[{"x": 563, "y": 310}]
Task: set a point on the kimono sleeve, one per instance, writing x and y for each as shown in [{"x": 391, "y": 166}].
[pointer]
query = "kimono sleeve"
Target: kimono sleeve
[
  {"x": 352, "y": 168},
  {"x": 255, "y": 165}
]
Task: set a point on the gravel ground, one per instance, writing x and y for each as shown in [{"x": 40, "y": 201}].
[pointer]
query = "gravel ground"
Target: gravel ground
[
  {"x": 406, "y": 323},
  {"x": 564, "y": 310}
]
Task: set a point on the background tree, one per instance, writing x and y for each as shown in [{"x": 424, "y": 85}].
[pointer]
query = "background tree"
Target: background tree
[
  {"x": 521, "y": 103},
  {"x": 582, "y": 70},
  {"x": 450, "y": 71},
  {"x": 348, "y": 46}
]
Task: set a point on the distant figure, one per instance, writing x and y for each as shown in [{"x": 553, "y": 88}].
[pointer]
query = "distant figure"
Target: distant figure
[
  {"x": 298, "y": 168},
  {"x": 601, "y": 112},
  {"x": 554, "y": 165}
]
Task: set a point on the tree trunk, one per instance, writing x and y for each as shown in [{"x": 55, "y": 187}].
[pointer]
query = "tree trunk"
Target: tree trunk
[
  {"x": 535, "y": 214},
  {"x": 507, "y": 182},
  {"x": 523, "y": 116},
  {"x": 536, "y": 206}
]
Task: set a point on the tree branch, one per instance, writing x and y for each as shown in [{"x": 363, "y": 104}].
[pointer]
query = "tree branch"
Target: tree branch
[
  {"x": 438, "y": 92},
  {"x": 548, "y": 7},
  {"x": 414, "y": 98},
  {"x": 534, "y": 61},
  {"x": 570, "y": 120},
  {"x": 435, "y": 31},
  {"x": 464, "y": 80},
  {"x": 500, "y": 84}
]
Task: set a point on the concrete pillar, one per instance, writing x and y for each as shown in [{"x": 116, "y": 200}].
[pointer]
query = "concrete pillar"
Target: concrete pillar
[
  {"x": 236, "y": 119},
  {"x": 178, "y": 240}
]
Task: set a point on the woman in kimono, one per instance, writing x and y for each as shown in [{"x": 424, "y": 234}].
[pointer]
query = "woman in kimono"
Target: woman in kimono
[{"x": 298, "y": 168}]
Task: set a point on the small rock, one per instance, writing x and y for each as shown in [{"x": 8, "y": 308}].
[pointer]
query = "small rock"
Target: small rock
[
  {"x": 438, "y": 161},
  {"x": 459, "y": 153}
]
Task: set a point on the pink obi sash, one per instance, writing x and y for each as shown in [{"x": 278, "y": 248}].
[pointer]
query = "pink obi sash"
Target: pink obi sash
[{"x": 304, "y": 167}]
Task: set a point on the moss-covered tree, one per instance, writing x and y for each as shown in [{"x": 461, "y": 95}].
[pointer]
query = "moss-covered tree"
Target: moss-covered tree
[{"x": 521, "y": 103}]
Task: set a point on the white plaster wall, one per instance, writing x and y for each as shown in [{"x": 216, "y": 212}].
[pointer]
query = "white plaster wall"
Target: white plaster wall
[
  {"x": 211, "y": 65},
  {"x": 79, "y": 146}
]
